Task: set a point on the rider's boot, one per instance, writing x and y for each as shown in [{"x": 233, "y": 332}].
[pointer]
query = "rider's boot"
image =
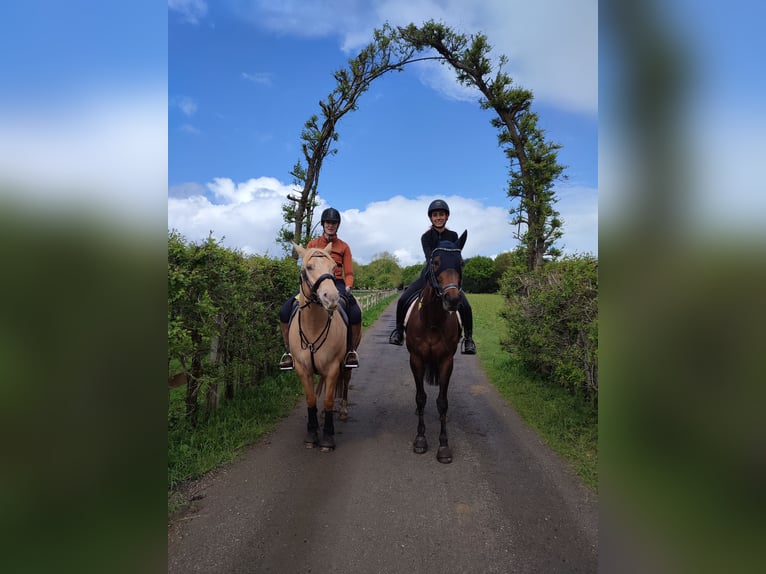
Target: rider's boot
[
  {"x": 286, "y": 361},
  {"x": 397, "y": 335},
  {"x": 469, "y": 347},
  {"x": 352, "y": 358}
]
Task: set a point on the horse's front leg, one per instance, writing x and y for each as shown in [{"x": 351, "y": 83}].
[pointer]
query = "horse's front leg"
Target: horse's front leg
[
  {"x": 418, "y": 371},
  {"x": 312, "y": 426},
  {"x": 327, "y": 442},
  {"x": 444, "y": 454}
]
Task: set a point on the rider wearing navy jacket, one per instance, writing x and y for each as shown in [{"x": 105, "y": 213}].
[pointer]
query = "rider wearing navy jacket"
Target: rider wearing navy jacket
[{"x": 438, "y": 213}]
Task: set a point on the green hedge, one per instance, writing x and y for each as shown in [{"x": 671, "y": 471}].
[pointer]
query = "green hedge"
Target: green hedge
[
  {"x": 552, "y": 318},
  {"x": 223, "y": 318}
]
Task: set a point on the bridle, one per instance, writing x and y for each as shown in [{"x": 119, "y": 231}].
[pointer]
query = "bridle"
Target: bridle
[
  {"x": 313, "y": 298},
  {"x": 432, "y": 275}
]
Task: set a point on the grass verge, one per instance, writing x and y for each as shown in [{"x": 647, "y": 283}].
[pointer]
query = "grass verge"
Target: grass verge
[
  {"x": 216, "y": 441},
  {"x": 567, "y": 425}
]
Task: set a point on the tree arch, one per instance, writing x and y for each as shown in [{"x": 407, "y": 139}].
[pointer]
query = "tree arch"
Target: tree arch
[{"x": 533, "y": 168}]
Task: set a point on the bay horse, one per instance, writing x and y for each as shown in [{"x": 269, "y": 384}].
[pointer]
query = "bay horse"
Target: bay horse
[
  {"x": 317, "y": 338},
  {"x": 432, "y": 336}
]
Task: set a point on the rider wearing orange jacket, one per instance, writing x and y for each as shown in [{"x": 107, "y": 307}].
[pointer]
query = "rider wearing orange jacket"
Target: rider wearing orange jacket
[{"x": 344, "y": 281}]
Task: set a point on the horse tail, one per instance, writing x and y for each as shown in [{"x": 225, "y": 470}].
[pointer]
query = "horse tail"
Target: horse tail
[
  {"x": 431, "y": 376},
  {"x": 338, "y": 393},
  {"x": 339, "y": 386}
]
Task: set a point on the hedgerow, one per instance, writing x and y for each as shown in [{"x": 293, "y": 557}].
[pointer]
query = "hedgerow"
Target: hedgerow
[
  {"x": 223, "y": 331},
  {"x": 552, "y": 318}
]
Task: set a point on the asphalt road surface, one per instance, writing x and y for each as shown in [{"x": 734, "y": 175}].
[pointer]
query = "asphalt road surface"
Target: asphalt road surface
[{"x": 506, "y": 504}]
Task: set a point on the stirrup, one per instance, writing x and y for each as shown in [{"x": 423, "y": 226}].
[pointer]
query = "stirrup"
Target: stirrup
[
  {"x": 352, "y": 360},
  {"x": 286, "y": 362},
  {"x": 469, "y": 347}
]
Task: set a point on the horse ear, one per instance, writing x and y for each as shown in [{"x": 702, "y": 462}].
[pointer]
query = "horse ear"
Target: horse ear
[
  {"x": 461, "y": 239},
  {"x": 328, "y": 249},
  {"x": 299, "y": 250}
]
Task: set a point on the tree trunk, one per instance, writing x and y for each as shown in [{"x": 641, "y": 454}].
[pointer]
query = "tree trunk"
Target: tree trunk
[{"x": 193, "y": 386}]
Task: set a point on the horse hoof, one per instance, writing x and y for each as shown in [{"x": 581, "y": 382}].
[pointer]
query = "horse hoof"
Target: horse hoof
[
  {"x": 421, "y": 445},
  {"x": 327, "y": 444},
  {"x": 343, "y": 416},
  {"x": 311, "y": 440},
  {"x": 444, "y": 455}
]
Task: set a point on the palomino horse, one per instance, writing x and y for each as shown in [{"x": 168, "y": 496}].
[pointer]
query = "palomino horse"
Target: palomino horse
[
  {"x": 318, "y": 340},
  {"x": 433, "y": 333}
]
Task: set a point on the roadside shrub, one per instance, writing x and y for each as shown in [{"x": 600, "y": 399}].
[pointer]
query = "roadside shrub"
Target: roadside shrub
[
  {"x": 552, "y": 317},
  {"x": 220, "y": 306},
  {"x": 480, "y": 275}
]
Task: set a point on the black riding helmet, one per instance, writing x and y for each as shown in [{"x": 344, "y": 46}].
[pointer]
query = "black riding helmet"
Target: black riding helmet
[
  {"x": 332, "y": 215},
  {"x": 438, "y": 205}
]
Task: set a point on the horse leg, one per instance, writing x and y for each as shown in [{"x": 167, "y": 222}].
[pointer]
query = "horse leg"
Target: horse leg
[
  {"x": 418, "y": 371},
  {"x": 312, "y": 427},
  {"x": 327, "y": 442},
  {"x": 444, "y": 454},
  {"x": 345, "y": 376},
  {"x": 343, "y": 393}
]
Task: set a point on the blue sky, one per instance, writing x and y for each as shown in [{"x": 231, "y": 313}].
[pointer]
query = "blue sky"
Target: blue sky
[{"x": 245, "y": 76}]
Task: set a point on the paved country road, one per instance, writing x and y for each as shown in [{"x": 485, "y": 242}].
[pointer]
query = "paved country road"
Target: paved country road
[{"x": 506, "y": 504}]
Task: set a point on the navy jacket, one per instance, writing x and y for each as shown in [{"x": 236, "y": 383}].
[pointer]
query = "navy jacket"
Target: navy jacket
[{"x": 431, "y": 238}]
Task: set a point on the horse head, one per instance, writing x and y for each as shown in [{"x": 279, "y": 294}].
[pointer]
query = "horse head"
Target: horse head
[
  {"x": 318, "y": 277},
  {"x": 445, "y": 271}
]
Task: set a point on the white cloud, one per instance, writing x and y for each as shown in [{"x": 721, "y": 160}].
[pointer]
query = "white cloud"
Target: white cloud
[
  {"x": 187, "y": 105},
  {"x": 249, "y": 216},
  {"x": 191, "y": 11},
  {"x": 552, "y": 45},
  {"x": 260, "y": 78}
]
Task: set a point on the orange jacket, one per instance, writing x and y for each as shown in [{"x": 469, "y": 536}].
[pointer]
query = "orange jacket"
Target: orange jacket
[{"x": 341, "y": 253}]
